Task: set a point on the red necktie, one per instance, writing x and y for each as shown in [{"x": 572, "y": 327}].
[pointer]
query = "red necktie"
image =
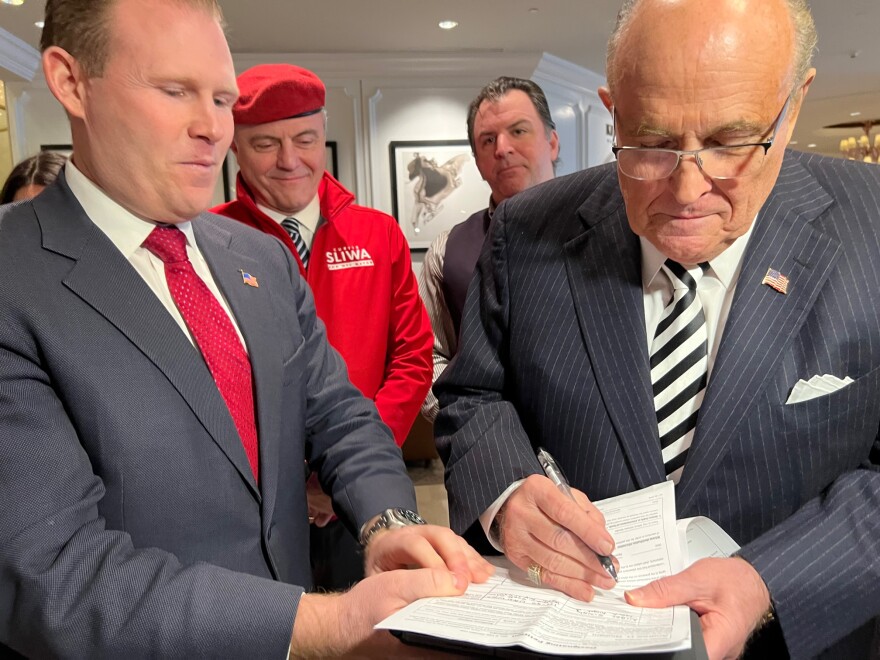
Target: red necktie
[{"x": 213, "y": 332}]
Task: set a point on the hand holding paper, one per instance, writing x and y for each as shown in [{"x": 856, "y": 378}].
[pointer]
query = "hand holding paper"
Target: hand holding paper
[
  {"x": 728, "y": 595},
  {"x": 425, "y": 546}
]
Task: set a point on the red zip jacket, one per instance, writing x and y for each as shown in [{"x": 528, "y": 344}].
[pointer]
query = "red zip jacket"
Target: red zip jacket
[{"x": 366, "y": 293}]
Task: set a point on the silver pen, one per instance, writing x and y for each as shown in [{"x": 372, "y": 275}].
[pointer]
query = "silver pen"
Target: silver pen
[{"x": 555, "y": 475}]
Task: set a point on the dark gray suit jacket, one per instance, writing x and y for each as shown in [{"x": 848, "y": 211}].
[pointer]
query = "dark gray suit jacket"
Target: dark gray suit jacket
[
  {"x": 131, "y": 523},
  {"x": 553, "y": 352}
]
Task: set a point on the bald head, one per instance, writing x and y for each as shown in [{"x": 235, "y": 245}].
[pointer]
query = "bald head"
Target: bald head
[{"x": 782, "y": 29}]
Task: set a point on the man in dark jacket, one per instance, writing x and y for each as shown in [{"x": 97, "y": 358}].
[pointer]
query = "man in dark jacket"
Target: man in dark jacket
[{"x": 514, "y": 142}]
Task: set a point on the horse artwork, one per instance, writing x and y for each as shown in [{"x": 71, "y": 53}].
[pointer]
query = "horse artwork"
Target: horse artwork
[{"x": 433, "y": 184}]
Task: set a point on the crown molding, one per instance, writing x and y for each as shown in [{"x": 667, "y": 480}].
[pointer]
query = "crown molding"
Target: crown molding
[
  {"x": 18, "y": 57},
  {"x": 562, "y": 72},
  {"x": 478, "y": 65}
]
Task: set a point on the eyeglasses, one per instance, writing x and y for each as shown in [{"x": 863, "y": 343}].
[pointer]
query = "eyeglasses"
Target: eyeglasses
[{"x": 723, "y": 162}]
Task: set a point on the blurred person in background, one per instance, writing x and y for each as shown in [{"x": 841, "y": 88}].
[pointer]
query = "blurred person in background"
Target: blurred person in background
[{"x": 31, "y": 176}]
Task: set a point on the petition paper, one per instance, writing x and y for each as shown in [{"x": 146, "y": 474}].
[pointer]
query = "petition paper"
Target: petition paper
[{"x": 509, "y": 610}]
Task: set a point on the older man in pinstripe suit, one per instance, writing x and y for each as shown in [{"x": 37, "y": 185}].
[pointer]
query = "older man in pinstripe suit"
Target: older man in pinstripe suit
[{"x": 705, "y": 312}]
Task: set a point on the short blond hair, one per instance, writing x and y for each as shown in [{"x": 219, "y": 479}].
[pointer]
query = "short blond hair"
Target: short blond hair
[{"x": 81, "y": 28}]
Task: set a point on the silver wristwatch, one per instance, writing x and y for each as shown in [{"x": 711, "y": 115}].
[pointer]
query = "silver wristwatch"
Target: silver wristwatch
[{"x": 390, "y": 519}]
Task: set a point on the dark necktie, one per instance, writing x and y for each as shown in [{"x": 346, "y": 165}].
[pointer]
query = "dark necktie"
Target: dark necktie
[
  {"x": 291, "y": 226},
  {"x": 213, "y": 332},
  {"x": 679, "y": 366}
]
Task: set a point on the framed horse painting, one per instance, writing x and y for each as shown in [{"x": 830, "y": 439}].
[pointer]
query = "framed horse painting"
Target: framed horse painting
[{"x": 435, "y": 185}]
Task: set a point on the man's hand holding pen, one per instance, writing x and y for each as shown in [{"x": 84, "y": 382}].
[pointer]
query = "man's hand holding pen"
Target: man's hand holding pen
[{"x": 540, "y": 526}]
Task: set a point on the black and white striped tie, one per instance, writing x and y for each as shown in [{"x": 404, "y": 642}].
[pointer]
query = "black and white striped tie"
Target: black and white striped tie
[
  {"x": 679, "y": 366},
  {"x": 291, "y": 226}
]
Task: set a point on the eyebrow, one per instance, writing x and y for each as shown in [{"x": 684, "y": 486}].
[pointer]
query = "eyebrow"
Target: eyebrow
[
  {"x": 520, "y": 122},
  {"x": 739, "y": 126},
  {"x": 516, "y": 124},
  {"x": 267, "y": 136}
]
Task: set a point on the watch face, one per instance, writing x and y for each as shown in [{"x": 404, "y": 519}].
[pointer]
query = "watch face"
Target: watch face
[{"x": 404, "y": 517}]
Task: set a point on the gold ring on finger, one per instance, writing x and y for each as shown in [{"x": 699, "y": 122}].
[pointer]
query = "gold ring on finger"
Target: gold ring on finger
[{"x": 535, "y": 574}]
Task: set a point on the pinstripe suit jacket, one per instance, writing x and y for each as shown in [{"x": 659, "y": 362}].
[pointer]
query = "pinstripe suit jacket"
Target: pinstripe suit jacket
[
  {"x": 131, "y": 524},
  {"x": 554, "y": 353}
]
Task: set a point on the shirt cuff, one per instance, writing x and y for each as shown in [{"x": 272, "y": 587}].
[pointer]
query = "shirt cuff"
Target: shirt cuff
[{"x": 488, "y": 516}]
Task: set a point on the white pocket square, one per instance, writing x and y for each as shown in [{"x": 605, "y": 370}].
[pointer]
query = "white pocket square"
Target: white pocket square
[{"x": 817, "y": 386}]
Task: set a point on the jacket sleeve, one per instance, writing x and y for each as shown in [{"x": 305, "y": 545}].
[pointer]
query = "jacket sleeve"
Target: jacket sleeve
[
  {"x": 408, "y": 370},
  {"x": 478, "y": 432},
  {"x": 821, "y": 564}
]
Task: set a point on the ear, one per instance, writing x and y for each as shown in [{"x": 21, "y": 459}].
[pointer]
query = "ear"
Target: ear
[
  {"x": 605, "y": 95},
  {"x": 554, "y": 145},
  {"x": 796, "y": 111},
  {"x": 66, "y": 79}
]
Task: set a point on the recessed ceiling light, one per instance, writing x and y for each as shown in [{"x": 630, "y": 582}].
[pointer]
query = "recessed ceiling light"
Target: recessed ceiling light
[
  {"x": 40, "y": 24},
  {"x": 13, "y": 2},
  {"x": 793, "y": 142},
  {"x": 854, "y": 114},
  {"x": 812, "y": 145},
  {"x": 447, "y": 25}
]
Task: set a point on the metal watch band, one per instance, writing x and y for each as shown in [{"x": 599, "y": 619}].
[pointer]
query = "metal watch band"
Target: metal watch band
[{"x": 390, "y": 519}]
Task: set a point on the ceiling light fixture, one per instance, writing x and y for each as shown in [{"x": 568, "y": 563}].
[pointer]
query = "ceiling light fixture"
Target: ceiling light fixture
[
  {"x": 40, "y": 24},
  {"x": 447, "y": 25},
  {"x": 812, "y": 145},
  {"x": 862, "y": 147},
  {"x": 13, "y": 2}
]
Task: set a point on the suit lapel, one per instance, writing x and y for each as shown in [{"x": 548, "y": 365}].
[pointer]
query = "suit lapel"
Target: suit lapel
[
  {"x": 103, "y": 278},
  {"x": 252, "y": 309},
  {"x": 607, "y": 292},
  {"x": 762, "y": 321}
]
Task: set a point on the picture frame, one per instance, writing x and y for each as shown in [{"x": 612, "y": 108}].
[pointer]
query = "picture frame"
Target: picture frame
[
  {"x": 332, "y": 158},
  {"x": 435, "y": 185},
  {"x": 230, "y": 169}
]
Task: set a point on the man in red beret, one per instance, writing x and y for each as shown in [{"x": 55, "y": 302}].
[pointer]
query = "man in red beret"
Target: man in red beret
[{"x": 355, "y": 259}]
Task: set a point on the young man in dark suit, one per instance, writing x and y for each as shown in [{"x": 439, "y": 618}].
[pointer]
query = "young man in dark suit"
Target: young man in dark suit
[{"x": 163, "y": 377}]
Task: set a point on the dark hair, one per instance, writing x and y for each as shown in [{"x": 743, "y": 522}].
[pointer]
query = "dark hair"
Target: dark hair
[
  {"x": 81, "y": 27},
  {"x": 496, "y": 90},
  {"x": 39, "y": 170}
]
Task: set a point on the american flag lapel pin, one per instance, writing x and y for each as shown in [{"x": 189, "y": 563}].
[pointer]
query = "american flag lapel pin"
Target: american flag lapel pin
[
  {"x": 249, "y": 279},
  {"x": 776, "y": 280}
]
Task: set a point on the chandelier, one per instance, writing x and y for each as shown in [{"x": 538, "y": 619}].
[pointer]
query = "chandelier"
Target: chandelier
[{"x": 861, "y": 148}]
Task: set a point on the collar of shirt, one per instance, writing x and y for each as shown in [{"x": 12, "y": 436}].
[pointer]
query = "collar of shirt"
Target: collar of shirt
[
  {"x": 126, "y": 230},
  {"x": 725, "y": 266},
  {"x": 308, "y": 217}
]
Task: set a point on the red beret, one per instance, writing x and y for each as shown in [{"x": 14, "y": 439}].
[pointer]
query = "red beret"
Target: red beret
[{"x": 269, "y": 92}]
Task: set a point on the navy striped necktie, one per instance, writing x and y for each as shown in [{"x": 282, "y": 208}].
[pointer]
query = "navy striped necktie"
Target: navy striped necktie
[
  {"x": 291, "y": 226},
  {"x": 679, "y": 366}
]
